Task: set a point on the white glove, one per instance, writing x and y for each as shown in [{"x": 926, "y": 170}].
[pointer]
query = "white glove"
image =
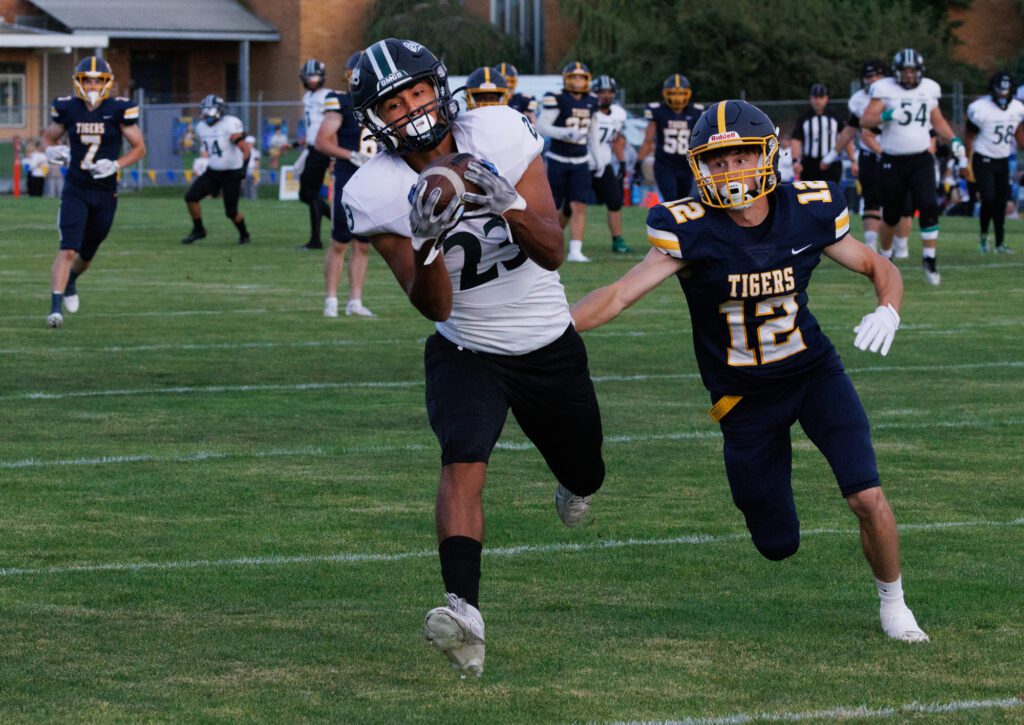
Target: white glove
[
  {"x": 498, "y": 195},
  {"x": 428, "y": 226},
  {"x": 877, "y": 330},
  {"x": 571, "y": 135},
  {"x": 58, "y": 155},
  {"x": 103, "y": 168},
  {"x": 358, "y": 158},
  {"x": 300, "y": 163}
]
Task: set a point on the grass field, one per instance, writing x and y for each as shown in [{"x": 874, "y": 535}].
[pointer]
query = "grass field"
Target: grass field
[{"x": 217, "y": 504}]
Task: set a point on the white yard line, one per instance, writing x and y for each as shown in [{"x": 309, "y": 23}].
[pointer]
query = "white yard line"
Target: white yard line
[
  {"x": 507, "y": 551},
  {"x": 843, "y": 713}
]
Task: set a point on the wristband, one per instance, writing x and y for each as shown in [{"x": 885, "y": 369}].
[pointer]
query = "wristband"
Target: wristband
[{"x": 887, "y": 114}]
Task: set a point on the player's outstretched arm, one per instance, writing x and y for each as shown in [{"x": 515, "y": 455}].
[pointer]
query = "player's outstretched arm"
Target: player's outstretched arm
[
  {"x": 536, "y": 227},
  {"x": 877, "y": 329},
  {"x": 606, "y": 303}
]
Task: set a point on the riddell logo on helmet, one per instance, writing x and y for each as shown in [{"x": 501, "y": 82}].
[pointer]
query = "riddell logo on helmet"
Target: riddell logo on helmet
[{"x": 727, "y": 136}]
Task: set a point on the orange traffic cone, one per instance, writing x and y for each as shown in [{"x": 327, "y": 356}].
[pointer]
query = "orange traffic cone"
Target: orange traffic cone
[{"x": 650, "y": 199}]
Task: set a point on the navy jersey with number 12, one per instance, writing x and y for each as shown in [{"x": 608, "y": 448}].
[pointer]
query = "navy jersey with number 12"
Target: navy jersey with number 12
[{"x": 747, "y": 287}]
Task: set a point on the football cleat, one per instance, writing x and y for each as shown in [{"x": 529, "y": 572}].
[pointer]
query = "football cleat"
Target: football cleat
[
  {"x": 571, "y": 508},
  {"x": 577, "y": 257},
  {"x": 355, "y": 307},
  {"x": 71, "y": 303},
  {"x": 900, "y": 248},
  {"x": 245, "y": 240},
  {"x": 983, "y": 244},
  {"x": 931, "y": 273},
  {"x": 1003, "y": 249},
  {"x": 620, "y": 247},
  {"x": 901, "y": 625},
  {"x": 54, "y": 319},
  {"x": 310, "y": 245},
  {"x": 457, "y": 630},
  {"x": 330, "y": 307},
  {"x": 193, "y": 236}
]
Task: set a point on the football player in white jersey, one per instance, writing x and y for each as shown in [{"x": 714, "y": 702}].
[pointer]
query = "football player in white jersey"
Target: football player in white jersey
[
  {"x": 906, "y": 107},
  {"x": 609, "y": 157},
  {"x": 487, "y": 278},
  {"x": 222, "y": 138},
  {"x": 993, "y": 122},
  {"x": 313, "y": 164}
]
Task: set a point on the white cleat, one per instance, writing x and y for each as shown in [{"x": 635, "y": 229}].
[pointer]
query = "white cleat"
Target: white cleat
[
  {"x": 71, "y": 303},
  {"x": 330, "y": 307},
  {"x": 901, "y": 625},
  {"x": 931, "y": 272},
  {"x": 901, "y": 248},
  {"x": 577, "y": 257},
  {"x": 571, "y": 508},
  {"x": 355, "y": 307},
  {"x": 54, "y": 319},
  {"x": 458, "y": 631}
]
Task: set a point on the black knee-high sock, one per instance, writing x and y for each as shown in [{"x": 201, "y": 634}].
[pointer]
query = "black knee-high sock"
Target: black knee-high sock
[
  {"x": 460, "y": 567},
  {"x": 325, "y": 208},
  {"x": 315, "y": 213},
  {"x": 240, "y": 226}
]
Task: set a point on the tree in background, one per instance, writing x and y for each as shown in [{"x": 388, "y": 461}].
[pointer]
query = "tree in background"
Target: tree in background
[
  {"x": 464, "y": 41},
  {"x": 772, "y": 49}
]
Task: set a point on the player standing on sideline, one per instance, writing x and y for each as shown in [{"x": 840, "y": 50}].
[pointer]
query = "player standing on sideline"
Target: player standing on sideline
[
  {"x": 486, "y": 87},
  {"x": 993, "y": 122},
  {"x": 814, "y": 136},
  {"x": 610, "y": 158},
  {"x": 340, "y": 138},
  {"x": 487, "y": 278},
  {"x": 668, "y": 134},
  {"x": 312, "y": 164},
  {"x": 222, "y": 138},
  {"x": 566, "y": 119},
  {"x": 907, "y": 108},
  {"x": 96, "y": 126},
  {"x": 526, "y": 105},
  {"x": 744, "y": 255}
]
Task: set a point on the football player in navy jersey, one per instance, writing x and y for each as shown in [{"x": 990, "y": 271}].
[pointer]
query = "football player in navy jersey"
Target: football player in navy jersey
[
  {"x": 566, "y": 118},
  {"x": 341, "y": 137},
  {"x": 668, "y": 133},
  {"x": 744, "y": 253},
  {"x": 488, "y": 279},
  {"x": 96, "y": 126},
  {"x": 526, "y": 105}
]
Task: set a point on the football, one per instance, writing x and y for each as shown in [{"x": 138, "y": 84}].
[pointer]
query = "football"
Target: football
[{"x": 447, "y": 174}]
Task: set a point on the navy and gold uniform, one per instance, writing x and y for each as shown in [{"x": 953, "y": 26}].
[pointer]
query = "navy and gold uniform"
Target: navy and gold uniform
[
  {"x": 566, "y": 119},
  {"x": 349, "y": 136},
  {"x": 760, "y": 350},
  {"x": 672, "y": 141},
  {"x": 523, "y": 103},
  {"x": 87, "y": 204}
]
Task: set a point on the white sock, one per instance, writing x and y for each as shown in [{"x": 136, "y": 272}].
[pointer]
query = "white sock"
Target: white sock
[
  {"x": 575, "y": 246},
  {"x": 871, "y": 239},
  {"x": 891, "y": 593},
  {"x": 355, "y": 301},
  {"x": 887, "y": 253},
  {"x": 900, "y": 241},
  {"x": 328, "y": 299},
  {"x": 928, "y": 252}
]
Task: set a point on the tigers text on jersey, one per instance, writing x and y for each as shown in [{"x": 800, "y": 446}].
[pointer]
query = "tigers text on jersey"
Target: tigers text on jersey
[
  {"x": 313, "y": 103},
  {"x": 747, "y": 288},
  {"x": 502, "y": 301},
  {"x": 672, "y": 132},
  {"x": 607, "y": 126},
  {"x": 908, "y": 132},
  {"x": 575, "y": 113},
  {"x": 93, "y": 135},
  {"x": 995, "y": 126},
  {"x": 216, "y": 141}
]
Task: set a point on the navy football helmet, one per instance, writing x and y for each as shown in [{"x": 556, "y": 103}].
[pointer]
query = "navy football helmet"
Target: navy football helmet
[
  {"x": 908, "y": 65},
  {"x": 89, "y": 68},
  {"x": 872, "y": 70},
  {"x": 212, "y": 108},
  {"x": 486, "y": 87},
  {"x": 727, "y": 125},
  {"x": 351, "y": 63},
  {"x": 1000, "y": 86},
  {"x": 676, "y": 92},
  {"x": 389, "y": 66},
  {"x": 604, "y": 83},
  {"x": 313, "y": 68},
  {"x": 511, "y": 75},
  {"x": 576, "y": 77}
]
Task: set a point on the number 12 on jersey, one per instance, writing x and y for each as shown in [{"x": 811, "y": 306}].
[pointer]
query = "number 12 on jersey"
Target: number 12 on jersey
[{"x": 777, "y": 338}]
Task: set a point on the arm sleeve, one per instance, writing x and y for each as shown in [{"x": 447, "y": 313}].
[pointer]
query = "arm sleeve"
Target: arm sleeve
[
  {"x": 662, "y": 232},
  {"x": 129, "y": 112},
  {"x": 548, "y": 116}
]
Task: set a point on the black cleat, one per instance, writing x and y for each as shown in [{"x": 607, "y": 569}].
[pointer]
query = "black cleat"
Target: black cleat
[
  {"x": 193, "y": 236},
  {"x": 311, "y": 245},
  {"x": 244, "y": 240}
]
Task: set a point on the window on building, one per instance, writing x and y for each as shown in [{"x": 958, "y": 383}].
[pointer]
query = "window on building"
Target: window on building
[
  {"x": 231, "y": 82},
  {"x": 12, "y": 95},
  {"x": 522, "y": 19}
]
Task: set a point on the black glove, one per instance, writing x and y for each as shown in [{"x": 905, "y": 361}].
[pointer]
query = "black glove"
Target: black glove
[
  {"x": 638, "y": 170},
  {"x": 620, "y": 175}
]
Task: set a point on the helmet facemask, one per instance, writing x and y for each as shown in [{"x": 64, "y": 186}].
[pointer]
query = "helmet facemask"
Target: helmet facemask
[
  {"x": 676, "y": 98},
  {"x": 480, "y": 97},
  {"x": 577, "y": 82},
  {"x": 419, "y": 130},
  {"x": 93, "y": 98},
  {"x": 732, "y": 189}
]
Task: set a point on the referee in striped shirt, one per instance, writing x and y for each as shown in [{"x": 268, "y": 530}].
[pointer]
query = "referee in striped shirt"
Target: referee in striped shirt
[{"x": 814, "y": 137}]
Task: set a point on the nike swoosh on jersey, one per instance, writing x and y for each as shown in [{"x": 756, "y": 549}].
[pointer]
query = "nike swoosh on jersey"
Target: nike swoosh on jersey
[{"x": 797, "y": 251}]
